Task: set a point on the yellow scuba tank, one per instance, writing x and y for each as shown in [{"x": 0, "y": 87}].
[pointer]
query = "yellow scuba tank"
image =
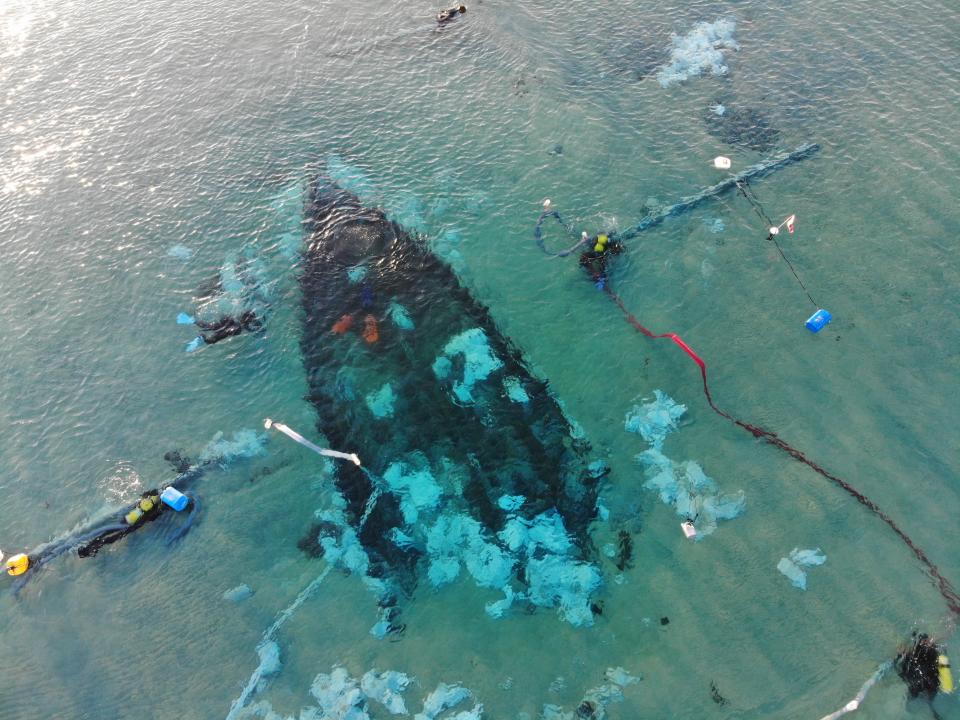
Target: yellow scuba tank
[
  {"x": 946, "y": 677},
  {"x": 18, "y": 564},
  {"x": 144, "y": 506}
]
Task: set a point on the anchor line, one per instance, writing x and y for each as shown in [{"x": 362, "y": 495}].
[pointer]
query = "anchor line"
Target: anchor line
[
  {"x": 743, "y": 187},
  {"x": 943, "y": 585},
  {"x": 790, "y": 265},
  {"x": 754, "y": 201}
]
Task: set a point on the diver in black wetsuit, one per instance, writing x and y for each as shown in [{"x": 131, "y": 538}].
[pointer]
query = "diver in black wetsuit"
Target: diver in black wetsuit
[
  {"x": 88, "y": 541},
  {"x": 147, "y": 509},
  {"x": 919, "y": 666},
  {"x": 225, "y": 327},
  {"x": 595, "y": 261},
  {"x": 447, "y": 15},
  {"x": 229, "y": 326}
]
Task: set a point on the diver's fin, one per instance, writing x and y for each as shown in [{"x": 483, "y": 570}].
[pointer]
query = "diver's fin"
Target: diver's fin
[
  {"x": 195, "y": 344},
  {"x": 184, "y": 319}
]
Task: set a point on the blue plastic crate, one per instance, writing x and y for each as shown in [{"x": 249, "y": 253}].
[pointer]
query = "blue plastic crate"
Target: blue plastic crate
[
  {"x": 816, "y": 322},
  {"x": 173, "y": 498}
]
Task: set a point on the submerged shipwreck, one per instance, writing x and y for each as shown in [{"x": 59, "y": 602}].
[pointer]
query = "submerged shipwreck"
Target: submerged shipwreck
[{"x": 469, "y": 463}]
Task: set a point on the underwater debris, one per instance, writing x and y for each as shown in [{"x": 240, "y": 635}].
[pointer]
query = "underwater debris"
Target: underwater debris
[
  {"x": 238, "y": 594},
  {"x": 243, "y": 444},
  {"x": 178, "y": 461},
  {"x": 744, "y": 127},
  {"x": 653, "y": 421},
  {"x": 443, "y": 698},
  {"x": 701, "y": 49},
  {"x": 715, "y": 694},
  {"x": 180, "y": 252},
  {"x": 381, "y": 402},
  {"x": 479, "y": 362},
  {"x": 514, "y": 390},
  {"x": 399, "y": 315},
  {"x": 540, "y": 549},
  {"x": 557, "y": 581},
  {"x": 511, "y": 503},
  {"x": 269, "y": 654},
  {"x": 594, "y": 704},
  {"x": 716, "y": 225},
  {"x": 357, "y": 273},
  {"x": 694, "y": 495},
  {"x": 624, "y": 557},
  {"x": 386, "y": 688},
  {"x": 416, "y": 489},
  {"x": 793, "y": 567},
  {"x": 309, "y": 543},
  {"x": 342, "y": 697},
  {"x": 619, "y": 676},
  {"x": 339, "y": 695},
  {"x": 683, "y": 485}
]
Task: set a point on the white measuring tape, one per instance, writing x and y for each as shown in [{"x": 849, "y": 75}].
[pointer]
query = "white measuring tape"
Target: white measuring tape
[{"x": 293, "y": 434}]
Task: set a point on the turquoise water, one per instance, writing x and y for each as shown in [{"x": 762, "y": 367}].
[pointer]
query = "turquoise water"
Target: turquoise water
[{"x": 128, "y": 129}]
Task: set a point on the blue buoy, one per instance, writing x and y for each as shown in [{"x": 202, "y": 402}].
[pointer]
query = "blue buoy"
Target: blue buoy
[
  {"x": 816, "y": 322},
  {"x": 173, "y": 498}
]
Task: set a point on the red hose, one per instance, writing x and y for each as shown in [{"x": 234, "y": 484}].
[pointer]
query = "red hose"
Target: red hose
[{"x": 943, "y": 585}]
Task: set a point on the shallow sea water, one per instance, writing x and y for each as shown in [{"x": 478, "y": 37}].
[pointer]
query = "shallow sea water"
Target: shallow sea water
[{"x": 129, "y": 128}]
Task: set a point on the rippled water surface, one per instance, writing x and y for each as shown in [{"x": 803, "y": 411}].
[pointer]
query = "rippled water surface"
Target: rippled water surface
[{"x": 130, "y": 128}]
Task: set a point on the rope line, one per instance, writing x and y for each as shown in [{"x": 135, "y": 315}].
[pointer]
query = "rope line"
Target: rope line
[
  {"x": 790, "y": 265},
  {"x": 943, "y": 585},
  {"x": 754, "y": 172},
  {"x": 754, "y": 201},
  {"x": 538, "y": 234},
  {"x": 284, "y": 615}
]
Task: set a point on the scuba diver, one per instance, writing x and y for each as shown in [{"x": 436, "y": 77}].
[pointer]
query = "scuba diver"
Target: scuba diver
[
  {"x": 371, "y": 326},
  {"x": 88, "y": 541},
  {"x": 924, "y": 667},
  {"x": 146, "y": 510},
  {"x": 225, "y": 327},
  {"x": 595, "y": 261},
  {"x": 240, "y": 295},
  {"x": 447, "y": 15}
]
